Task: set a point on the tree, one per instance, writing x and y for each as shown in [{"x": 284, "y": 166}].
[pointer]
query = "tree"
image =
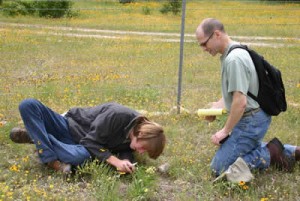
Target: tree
[
  {"x": 173, "y": 6},
  {"x": 126, "y": 1}
]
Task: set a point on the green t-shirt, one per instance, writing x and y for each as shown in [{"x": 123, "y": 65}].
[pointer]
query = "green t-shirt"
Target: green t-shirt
[{"x": 238, "y": 74}]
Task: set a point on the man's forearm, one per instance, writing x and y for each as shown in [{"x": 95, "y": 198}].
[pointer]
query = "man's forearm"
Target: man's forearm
[{"x": 112, "y": 160}]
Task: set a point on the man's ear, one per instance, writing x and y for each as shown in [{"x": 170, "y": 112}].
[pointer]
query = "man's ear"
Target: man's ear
[{"x": 218, "y": 33}]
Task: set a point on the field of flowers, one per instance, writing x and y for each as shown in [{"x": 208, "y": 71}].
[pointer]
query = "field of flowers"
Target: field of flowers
[{"x": 115, "y": 52}]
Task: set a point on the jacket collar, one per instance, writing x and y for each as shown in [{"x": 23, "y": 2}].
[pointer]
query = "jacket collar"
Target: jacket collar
[{"x": 130, "y": 126}]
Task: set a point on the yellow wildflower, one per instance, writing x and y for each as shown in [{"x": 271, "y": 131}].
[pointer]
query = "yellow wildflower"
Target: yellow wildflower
[
  {"x": 245, "y": 187},
  {"x": 14, "y": 168},
  {"x": 241, "y": 183},
  {"x": 151, "y": 170},
  {"x": 25, "y": 159}
]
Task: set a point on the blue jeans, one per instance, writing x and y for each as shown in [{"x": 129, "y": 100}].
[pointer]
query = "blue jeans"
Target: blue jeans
[
  {"x": 246, "y": 141},
  {"x": 50, "y": 133}
]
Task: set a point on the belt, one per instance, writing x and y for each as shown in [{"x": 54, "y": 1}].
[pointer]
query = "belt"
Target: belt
[{"x": 251, "y": 112}]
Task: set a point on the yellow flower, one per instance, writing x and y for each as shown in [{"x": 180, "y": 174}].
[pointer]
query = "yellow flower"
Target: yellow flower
[
  {"x": 40, "y": 151},
  {"x": 298, "y": 85},
  {"x": 241, "y": 183},
  {"x": 26, "y": 158},
  {"x": 14, "y": 168},
  {"x": 151, "y": 170},
  {"x": 245, "y": 187},
  {"x": 263, "y": 199},
  {"x": 102, "y": 150}
]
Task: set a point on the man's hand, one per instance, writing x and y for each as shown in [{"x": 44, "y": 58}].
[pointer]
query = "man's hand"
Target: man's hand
[
  {"x": 219, "y": 136},
  {"x": 210, "y": 118},
  {"x": 214, "y": 105},
  {"x": 125, "y": 166}
]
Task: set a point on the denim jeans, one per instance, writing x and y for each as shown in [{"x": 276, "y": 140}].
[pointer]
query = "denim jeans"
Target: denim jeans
[
  {"x": 50, "y": 133},
  {"x": 246, "y": 141}
]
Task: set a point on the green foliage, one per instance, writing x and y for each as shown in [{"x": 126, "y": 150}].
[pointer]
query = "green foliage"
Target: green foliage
[
  {"x": 282, "y": 0},
  {"x": 104, "y": 181},
  {"x": 14, "y": 8},
  {"x": 146, "y": 10},
  {"x": 51, "y": 9},
  {"x": 142, "y": 183},
  {"x": 173, "y": 6},
  {"x": 126, "y": 1}
]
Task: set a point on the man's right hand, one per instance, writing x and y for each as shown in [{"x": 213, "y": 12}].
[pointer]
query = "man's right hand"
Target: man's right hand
[
  {"x": 210, "y": 118},
  {"x": 214, "y": 105},
  {"x": 125, "y": 166}
]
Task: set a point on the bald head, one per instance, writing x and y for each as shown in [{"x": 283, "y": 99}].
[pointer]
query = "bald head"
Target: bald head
[
  {"x": 211, "y": 36},
  {"x": 209, "y": 25}
]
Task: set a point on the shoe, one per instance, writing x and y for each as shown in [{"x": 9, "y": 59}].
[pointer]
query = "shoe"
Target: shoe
[
  {"x": 297, "y": 154},
  {"x": 20, "y": 135},
  {"x": 278, "y": 158},
  {"x": 60, "y": 166}
]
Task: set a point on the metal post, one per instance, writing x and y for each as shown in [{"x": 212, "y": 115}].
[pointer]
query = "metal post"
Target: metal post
[{"x": 181, "y": 56}]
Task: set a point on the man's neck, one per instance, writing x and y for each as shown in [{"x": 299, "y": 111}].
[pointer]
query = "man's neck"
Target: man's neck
[{"x": 226, "y": 43}]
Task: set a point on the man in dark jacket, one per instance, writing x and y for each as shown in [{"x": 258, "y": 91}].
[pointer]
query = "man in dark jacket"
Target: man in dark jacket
[{"x": 109, "y": 132}]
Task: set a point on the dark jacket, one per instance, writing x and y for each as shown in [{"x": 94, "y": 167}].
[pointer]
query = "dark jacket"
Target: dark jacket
[{"x": 102, "y": 129}]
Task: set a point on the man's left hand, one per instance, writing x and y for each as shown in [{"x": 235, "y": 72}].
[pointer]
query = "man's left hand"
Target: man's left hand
[{"x": 219, "y": 136}]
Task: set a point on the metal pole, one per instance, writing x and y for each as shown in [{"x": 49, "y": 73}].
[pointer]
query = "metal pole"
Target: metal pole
[{"x": 181, "y": 56}]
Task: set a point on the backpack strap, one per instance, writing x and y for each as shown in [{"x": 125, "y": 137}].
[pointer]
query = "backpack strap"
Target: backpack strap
[{"x": 245, "y": 47}]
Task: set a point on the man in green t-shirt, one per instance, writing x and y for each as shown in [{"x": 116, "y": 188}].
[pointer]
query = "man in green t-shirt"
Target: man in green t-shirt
[{"x": 246, "y": 124}]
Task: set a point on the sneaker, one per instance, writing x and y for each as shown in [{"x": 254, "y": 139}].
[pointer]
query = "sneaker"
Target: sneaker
[
  {"x": 60, "y": 166},
  {"x": 20, "y": 135},
  {"x": 278, "y": 158}
]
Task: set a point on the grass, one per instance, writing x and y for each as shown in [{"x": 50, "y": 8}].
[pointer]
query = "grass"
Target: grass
[{"x": 141, "y": 72}]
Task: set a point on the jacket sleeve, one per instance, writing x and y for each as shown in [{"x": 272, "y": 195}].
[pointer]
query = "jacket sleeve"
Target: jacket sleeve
[{"x": 102, "y": 131}]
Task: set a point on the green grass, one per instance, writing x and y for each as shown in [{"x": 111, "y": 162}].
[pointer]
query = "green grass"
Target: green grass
[{"x": 141, "y": 72}]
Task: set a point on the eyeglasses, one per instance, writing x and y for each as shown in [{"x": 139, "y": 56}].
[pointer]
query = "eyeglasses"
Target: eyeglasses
[{"x": 204, "y": 43}]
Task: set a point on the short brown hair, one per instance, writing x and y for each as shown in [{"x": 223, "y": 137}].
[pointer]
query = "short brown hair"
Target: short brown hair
[
  {"x": 152, "y": 133},
  {"x": 209, "y": 25}
]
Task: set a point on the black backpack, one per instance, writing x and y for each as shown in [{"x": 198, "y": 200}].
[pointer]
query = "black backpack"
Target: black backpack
[{"x": 271, "y": 93}]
